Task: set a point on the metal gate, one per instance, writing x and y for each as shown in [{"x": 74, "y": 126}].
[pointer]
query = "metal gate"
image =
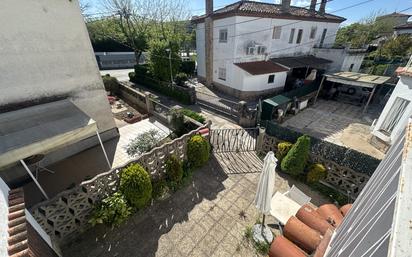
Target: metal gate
[
  {"x": 234, "y": 140},
  {"x": 220, "y": 105}
]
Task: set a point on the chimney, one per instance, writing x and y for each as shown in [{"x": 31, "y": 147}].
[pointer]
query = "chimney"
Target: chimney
[
  {"x": 285, "y": 5},
  {"x": 209, "y": 43},
  {"x": 322, "y": 7},
  {"x": 313, "y": 6}
]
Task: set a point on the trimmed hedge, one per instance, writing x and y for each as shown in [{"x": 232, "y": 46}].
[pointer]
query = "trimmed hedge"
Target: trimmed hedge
[
  {"x": 136, "y": 185},
  {"x": 198, "y": 151},
  {"x": 143, "y": 77},
  {"x": 295, "y": 161},
  {"x": 343, "y": 156}
]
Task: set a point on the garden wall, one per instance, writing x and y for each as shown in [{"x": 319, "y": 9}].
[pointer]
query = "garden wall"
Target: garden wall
[
  {"x": 66, "y": 215},
  {"x": 348, "y": 169}
]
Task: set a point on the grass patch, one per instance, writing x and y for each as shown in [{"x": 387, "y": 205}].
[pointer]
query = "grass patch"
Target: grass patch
[{"x": 261, "y": 248}]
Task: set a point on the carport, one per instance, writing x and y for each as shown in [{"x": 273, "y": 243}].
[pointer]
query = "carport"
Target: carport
[
  {"x": 28, "y": 133},
  {"x": 355, "y": 79}
]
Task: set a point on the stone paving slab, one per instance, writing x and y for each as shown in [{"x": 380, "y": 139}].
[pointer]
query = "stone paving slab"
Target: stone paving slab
[{"x": 207, "y": 218}]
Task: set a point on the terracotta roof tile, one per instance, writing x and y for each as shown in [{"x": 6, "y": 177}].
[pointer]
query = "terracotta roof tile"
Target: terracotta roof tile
[{"x": 261, "y": 67}]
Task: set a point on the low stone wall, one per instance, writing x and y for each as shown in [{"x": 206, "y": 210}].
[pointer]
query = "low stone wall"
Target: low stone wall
[
  {"x": 342, "y": 178},
  {"x": 66, "y": 215}
]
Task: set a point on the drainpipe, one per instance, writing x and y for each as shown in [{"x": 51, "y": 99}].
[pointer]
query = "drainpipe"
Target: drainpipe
[
  {"x": 322, "y": 7},
  {"x": 209, "y": 42}
]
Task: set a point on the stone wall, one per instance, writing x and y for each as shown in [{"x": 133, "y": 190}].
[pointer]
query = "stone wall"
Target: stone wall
[
  {"x": 339, "y": 177},
  {"x": 66, "y": 215}
]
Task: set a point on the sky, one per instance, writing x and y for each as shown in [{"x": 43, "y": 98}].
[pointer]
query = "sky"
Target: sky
[{"x": 352, "y": 14}]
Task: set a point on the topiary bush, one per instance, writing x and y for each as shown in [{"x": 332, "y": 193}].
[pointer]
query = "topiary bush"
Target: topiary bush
[
  {"x": 283, "y": 149},
  {"x": 316, "y": 172},
  {"x": 136, "y": 185},
  {"x": 295, "y": 161},
  {"x": 174, "y": 172},
  {"x": 198, "y": 151},
  {"x": 113, "y": 211}
]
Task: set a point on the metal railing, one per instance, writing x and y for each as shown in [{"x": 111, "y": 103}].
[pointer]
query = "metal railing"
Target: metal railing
[
  {"x": 216, "y": 103},
  {"x": 234, "y": 140}
]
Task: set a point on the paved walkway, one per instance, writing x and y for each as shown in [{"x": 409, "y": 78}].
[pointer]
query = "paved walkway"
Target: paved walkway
[{"x": 207, "y": 218}]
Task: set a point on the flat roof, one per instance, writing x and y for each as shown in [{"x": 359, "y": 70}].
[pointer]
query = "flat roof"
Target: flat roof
[
  {"x": 357, "y": 79},
  {"x": 40, "y": 129},
  {"x": 261, "y": 67},
  {"x": 301, "y": 61}
]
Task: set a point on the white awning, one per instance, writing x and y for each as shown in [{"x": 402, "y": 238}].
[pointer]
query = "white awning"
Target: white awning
[
  {"x": 40, "y": 129},
  {"x": 357, "y": 79}
]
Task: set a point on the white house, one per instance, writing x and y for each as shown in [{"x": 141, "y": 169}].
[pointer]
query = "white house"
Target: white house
[
  {"x": 397, "y": 110},
  {"x": 262, "y": 35}
]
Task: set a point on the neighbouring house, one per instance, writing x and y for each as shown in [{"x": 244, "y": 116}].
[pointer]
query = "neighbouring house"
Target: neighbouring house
[
  {"x": 249, "y": 49},
  {"x": 53, "y": 103},
  {"x": 403, "y": 29},
  {"x": 397, "y": 110},
  {"x": 343, "y": 59},
  {"x": 117, "y": 60}
]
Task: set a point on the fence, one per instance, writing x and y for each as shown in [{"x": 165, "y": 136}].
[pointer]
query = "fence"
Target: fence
[
  {"x": 218, "y": 104},
  {"x": 66, "y": 215},
  {"x": 234, "y": 140}
]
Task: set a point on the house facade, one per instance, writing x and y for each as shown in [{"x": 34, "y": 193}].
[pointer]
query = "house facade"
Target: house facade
[
  {"x": 53, "y": 96},
  {"x": 398, "y": 109},
  {"x": 250, "y": 32}
]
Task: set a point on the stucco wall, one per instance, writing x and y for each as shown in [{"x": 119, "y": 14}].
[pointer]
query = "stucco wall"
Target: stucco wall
[
  {"x": 260, "y": 82},
  {"x": 200, "y": 49},
  {"x": 4, "y": 211},
  {"x": 355, "y": 59},
  {"x": 46, "y": 53},
  {"x": 341, "y": 59},
  {"x": 404, "y": 90}
]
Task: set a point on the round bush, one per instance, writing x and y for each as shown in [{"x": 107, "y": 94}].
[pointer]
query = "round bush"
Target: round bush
[
  {"x": 295, "y": 161},
  {"x": 113, "y": 210},
  {"x": 174, "y": 171},
  {"x": 136, "y": 186},
  {"x": 283, "y": 149},
  {"x": 198, "y": 151},
  {"x": 316, "y": 172}
]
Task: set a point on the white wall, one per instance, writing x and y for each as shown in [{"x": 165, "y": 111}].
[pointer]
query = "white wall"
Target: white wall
[
  {"x": 248, "y": 82},
  {"x": 4, "y": 220},
  {"x": 341, "y": 59},
  {"x": 46, "y": 52},
  {"x": 403, "y": 31},
  {"x": 200, "y": 49},
  {"x": 404, "y": 90},
  {"x": 355, "y": 59}
]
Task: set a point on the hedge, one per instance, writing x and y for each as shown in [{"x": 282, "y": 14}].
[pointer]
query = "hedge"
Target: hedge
[
  {"x": 194, "y": 115},
  {"x": 142, "y": 76},
  {"x": 343, "y": 156},
  {"x": 295, "y": 160}
]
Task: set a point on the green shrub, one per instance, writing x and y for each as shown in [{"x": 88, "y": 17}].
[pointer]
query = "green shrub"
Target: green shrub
[
  {"x": 113, "y": 211},
  {"x": 295, "y": 161},
  {"x": 110, "y": 84},
  {"x": 198, "y": 151},
  {"x": 143, "y": 142},
  {"x": 188, "y": 67},
  {"x": 316, "y": 172},
  {"x": 283, "y": 149},
  {"x": 180, "y": 79},
  {"x": 194, "y": 115},
  {"x": 174, "y": 172},
  {"x": 158, "y": 187},
  {"x": 136, "y": 186}
]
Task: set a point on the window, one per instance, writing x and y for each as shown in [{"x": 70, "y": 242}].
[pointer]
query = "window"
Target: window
[
  {"x": 313, "y": 32},
  {"x": 271, "y": 79},
  {"x": 251, "y": 50},
  {"x": 299, "y": 37},
  {"x": 292, "y": 35},
  {"x": 322, "y": 39},
  {"x": 277, "y": 31},
  {"x": 222, "y": 73},
  {"x": 223, "y": 36},
  {"x": 394, "y": 115},
  {"x": 261, "y": 49},
  {"x": 351, "y": 67}
]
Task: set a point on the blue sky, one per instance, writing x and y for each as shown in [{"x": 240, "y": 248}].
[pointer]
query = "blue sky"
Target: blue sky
[{"x": 352, "y": 14}]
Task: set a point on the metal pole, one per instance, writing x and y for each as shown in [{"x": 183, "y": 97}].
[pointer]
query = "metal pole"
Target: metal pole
[
  {"x": 34, "y": 179},
  {"x": 320, "y": 87},
  {"x": 263, "y": 222},
  {"x": 369, "y": 100},
  {"x": 104, "y": 151}
]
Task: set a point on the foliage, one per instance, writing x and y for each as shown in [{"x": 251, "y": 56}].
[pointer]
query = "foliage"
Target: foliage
[
  {"x": 106, "y": 36},
  {"x": 112, "y": 210},
  {"x": 399, "y": 46},
  {"x": 136, "y": 185},
  {"x": 295, "y": 161},
  {"x": 260, "y": 247},
  {"x": 198, "y": 151},
  {"x": 378, "y": 69},
  {"x": 283, "y": 149},
  {"x": 180, "y": 79},
  {"x": 162, "y": 55},
  {"x": 110, "y": 84},
  {"x": 194, "y": 115},
  {"x": 178, "y": 122},
  {"x": 316, "y": 172},
  {"x": 143, "y": 142},
  {"x": 188, "y": 67},
  {"x": 159, "y": 187},
  {"x": 334, "y": 195},
  {"x": 174, "y": 172},
  {"x": 143, "y": 77}
]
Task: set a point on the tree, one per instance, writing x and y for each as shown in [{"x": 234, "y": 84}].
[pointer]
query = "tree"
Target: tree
[
  {"x": 106, "y": 35},
  {"x": 399, "y": 46},
  {"x": 159, "y": 62}
]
